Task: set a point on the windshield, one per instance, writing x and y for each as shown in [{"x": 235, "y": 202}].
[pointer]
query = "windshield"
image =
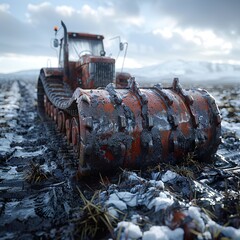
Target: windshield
[{"x": 79, "y": 47}]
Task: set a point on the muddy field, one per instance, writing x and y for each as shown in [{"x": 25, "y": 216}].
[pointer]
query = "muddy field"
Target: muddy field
[{"x": 40, "y": 197}]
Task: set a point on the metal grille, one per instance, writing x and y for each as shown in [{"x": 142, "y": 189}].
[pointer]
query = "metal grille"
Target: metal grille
[{"x": 104, "y": 74}]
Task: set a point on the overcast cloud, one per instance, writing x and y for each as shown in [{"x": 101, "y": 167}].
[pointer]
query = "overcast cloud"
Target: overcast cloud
[{"x": 156, "y": 30}]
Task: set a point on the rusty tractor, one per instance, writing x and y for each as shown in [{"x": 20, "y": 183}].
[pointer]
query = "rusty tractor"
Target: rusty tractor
[{"x": 111, "y": 122}]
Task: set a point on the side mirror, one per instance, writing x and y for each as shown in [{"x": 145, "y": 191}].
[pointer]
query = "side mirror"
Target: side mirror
[
  {"x": 102, "y": 53},
  {"x": 121, "y": 46},
  {"x": 55, "y": 42}
]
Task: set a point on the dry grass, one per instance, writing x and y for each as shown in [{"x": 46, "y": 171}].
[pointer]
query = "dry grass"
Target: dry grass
[
  {"x": 35, "y": 173},
  {"x": 189, "y": 166},
  {"x": 209, "y": 213},
  {"x": 185, "y": 171},
  {"x": 95, "y": 219}
]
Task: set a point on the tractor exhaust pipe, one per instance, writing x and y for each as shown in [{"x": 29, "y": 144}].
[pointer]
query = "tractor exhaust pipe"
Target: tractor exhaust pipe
[{"x": 66, "y": 52}]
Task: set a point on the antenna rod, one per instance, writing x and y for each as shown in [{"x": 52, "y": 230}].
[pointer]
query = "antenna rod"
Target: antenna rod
[{"x": 125, "y": 54}]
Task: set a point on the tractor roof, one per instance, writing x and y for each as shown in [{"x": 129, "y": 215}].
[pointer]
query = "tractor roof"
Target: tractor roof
[{"x": 85, "y": 35}]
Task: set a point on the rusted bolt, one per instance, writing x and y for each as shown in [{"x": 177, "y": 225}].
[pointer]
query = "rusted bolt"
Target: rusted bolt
[
  {"x": 218, "y": 119},
  {"x": 144, "y": 98},
  {"x": 88, "y": 122},
  {"x": 175, "y": 85},
  {"x": 150, "y": 147},
  {"x": 122, "y": 121},
  {"x": 158, "y": 86},
  {"x": 86, "y": 99},
  {"x": 172, "y": 120},
  {"x": 133, "y": 85},
  {"x": 189, "y": 99},
  {"x": 117, "y": 99},
  {"x": 175, "y": 145},
  {"x": 149, "y": 121},
  {"x": 88, "y": 149},
  {"x": 123, "y": 149}
]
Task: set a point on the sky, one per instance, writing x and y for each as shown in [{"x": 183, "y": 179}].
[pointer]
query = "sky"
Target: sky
[{"x": 156, "y": 30}]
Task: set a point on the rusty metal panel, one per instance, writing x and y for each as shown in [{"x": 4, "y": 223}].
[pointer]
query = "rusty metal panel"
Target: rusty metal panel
[
  {"x": 53, "y": 72},
  {"x": 137, "y": 127}
]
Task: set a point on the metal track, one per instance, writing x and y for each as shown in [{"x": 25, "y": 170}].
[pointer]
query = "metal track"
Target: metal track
[{"x": 55, "y": 89}]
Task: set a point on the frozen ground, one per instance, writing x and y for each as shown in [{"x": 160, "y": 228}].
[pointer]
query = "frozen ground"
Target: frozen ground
[{"x": 190, "y": 201}]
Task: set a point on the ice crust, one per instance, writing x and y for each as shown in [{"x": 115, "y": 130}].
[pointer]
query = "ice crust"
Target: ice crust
[{"x": 154, "y": 197}]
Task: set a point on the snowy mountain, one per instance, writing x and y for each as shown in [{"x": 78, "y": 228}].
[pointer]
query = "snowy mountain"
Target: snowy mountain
[
  {"x": 188, "y": 71},
  {"x": 26, "y": 74}
]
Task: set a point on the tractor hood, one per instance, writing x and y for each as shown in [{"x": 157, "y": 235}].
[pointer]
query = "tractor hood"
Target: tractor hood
[{"x": 94, "y": 59}]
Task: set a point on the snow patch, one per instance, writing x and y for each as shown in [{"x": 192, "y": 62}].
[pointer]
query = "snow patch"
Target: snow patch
[
  {"x": 10, "y": 173},
  {"x": 168, "y": 176},
  {"x": 231, "y": 126},
  {"x": 24, "y": 154},
  {"x": 158, "y": 184},
  {"x": 114, "y": 200},
  {"x": 230, "y": 232},
  {"x": 160, "y": 203},
  {"x": 129, "y": 198},
  {"x": 112, "y": 211},
  {"x": 21, "y": 210},
  {"x": 163, "y": 233},
  {"x": 130, "y": 230},
  {"x": 195, "y": 214}
]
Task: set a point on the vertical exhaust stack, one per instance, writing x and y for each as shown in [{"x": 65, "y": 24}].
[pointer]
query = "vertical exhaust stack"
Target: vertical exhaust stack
[{"x": 65, "y": 51}]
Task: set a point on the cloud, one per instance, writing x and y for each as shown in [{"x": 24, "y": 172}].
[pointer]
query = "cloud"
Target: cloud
[
  {"x": 81, "y": 18},
  {"x": 16, "y": 36},
  {"x": 39, "y": 7},
  {"x": 207, "y": 39},
  {"x": 150, "y": 48},
  {"x": 125, "y": 7},
  {"x": 65, "y": 10},
  {"x": 33, "y": 34},
  {"x": 156, "y": 30},
  {"x": 221, "y": 15},
  {"x": 4, "y": 7},
  {"x": 18, "y": 62}
]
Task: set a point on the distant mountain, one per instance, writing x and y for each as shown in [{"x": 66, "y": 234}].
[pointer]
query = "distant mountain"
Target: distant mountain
[
  {"x": 26, "y": 74},
  {"x": 187, "y": 71}
]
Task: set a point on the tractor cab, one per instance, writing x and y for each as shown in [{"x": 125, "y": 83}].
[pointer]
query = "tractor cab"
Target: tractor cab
[
  {"x": 82, "y": 57},
  {"x": 83, "y": 61},
  {"x": 80, "y": 44}
]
